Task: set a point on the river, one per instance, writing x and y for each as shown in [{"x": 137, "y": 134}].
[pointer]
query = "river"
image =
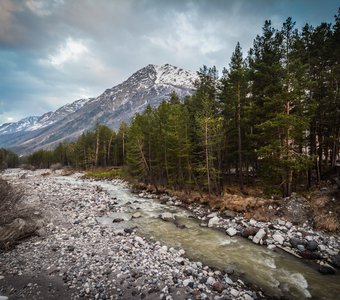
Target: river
[{"x": 276, "y": 272}]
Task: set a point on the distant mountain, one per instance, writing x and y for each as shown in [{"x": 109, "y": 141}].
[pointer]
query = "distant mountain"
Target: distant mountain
[{"x": 148, "y": 86}]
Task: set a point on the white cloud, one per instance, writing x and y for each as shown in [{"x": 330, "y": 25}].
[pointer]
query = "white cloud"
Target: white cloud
[
  {"x": 72, "y": 50},
  {"x": 43, "y": 8},
  {"x": 187, "y": 36}
]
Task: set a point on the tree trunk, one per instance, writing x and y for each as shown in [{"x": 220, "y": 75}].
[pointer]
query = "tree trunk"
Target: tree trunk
[
  {"x": 109, "y": 149},
  {"x": 239, "y": 138},
  {"x": 207, "y": 157},
  {"x": 97, "y": 149}
]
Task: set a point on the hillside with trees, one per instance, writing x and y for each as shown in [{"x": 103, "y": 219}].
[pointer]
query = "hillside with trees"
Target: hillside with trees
[{"x": 272, "y": 117}]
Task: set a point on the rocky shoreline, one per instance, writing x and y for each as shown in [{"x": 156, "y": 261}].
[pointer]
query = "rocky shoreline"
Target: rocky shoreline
[
  {"x": 74, "y": 257},
  {"x": 301, "y": 241}
]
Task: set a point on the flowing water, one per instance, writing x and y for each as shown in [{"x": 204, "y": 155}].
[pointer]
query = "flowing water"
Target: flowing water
[{"x": 277, "y": 273}]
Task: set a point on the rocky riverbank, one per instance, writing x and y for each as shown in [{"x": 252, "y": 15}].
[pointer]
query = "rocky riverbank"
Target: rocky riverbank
[
  {"x": 301, "y": 241},
  {"x": 73, "y": 257}
]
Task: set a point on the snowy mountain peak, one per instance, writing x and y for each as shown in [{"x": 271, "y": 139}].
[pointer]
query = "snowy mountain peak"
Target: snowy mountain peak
[
  {"x": 168, "y": 74},
  {"x": 148, "y": 86}
]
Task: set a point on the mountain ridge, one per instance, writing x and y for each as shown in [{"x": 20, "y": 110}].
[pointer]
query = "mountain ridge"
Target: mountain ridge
[{"x": 147, "y": 86}]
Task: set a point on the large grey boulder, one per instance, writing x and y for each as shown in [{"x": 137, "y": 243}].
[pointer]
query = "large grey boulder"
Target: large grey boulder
[{"x": 259, "y": 236}]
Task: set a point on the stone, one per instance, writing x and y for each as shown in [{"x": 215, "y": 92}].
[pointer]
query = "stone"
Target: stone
[
  {"x": 218, "y": 287},
  {"x": 259, "y": 236},
  {"x": 181, "y": 252},
  {"x": 186, "y": 282},
  {"x": 336, "y": 260},
  {"x": 212, "y": 215},
  {"x": 213, "y": 221},
  {"x": 271, "y": 247},
  {"x": 229, "y": 214},
  {"x": 139, "y": 240},
  {"x": 128, "y": 230},
  {"x": 136, "y": 215},
  {"x": 301, "y": 248},
  {"x": 70, "y": 248},
  {"x": 229, "y": 270},
  {"x": 180, "y": 260},
  {"x": 326, "y": 269},
  {"x": 210, "y": 280},
  {"x": 278, "y": 238},
  {"x": 295, "y": 242},
  {"x": 249, "y": 231},
  {"x": 252, "y": 222},
  {"x": 289, "y": 225},
  {"x": 166, "y": 216},
  {"x": 247, "y": 297},
  {"x": 309, "y": 254},
  {"x": 117, "y": 220},
  {"x": 312, "y": 245},
  {"x": 281, "y": 222},
  {"x": 234, "y": 292},
  {"x": 231, "y": 231},
  {"x": 228, "y": 280},
  {"x": 3, "y": 298},
  {"x": 322, "y": 247}
]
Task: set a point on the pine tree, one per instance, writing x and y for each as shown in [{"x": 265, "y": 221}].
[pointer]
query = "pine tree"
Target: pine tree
[{"x": 234, "y": 92}]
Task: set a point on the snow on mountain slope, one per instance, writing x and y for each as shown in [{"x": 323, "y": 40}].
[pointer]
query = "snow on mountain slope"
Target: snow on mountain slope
[
  {"x": 35, "y": 122},
  {"x": 21, "y": 125},
  {"x": 148, "y": 86}
]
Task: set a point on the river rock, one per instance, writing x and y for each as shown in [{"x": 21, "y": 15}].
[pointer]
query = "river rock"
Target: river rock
[
  {"x": 228, "y": 280},
  {"x": 309, "y": 254},
  {"x": 139, "y": 240},
  {"x": 218, "y": 287},
  {"x": 136, "y": 215},
  {"x": 117, "y": 220},
  {"x": 234, "y": 292},
  {"x": 213, "y": 221},
  {"x": 326, "y": 269},
  {"x": 229, "y": 214},
  {"x": 295, "y": 242},
  {"x": 252, "y": 222},
  {"x": 187, "y": 282},
  {"x": 278, "y": 238},
  {"x": 231, "y": 231},
  {"x": 229, "y": 270},
  {"x": 212, "y": 215},
  {"x": 249, "y": 231},
  {"x": 336, "y": 260},
  {"x": 312, "y": 245},
  {"x": 259, "y": 236},
  {"x": 210, "y": 280},
  {"x": 3, "y": 298},
  {"x": 166, "y": 216}
]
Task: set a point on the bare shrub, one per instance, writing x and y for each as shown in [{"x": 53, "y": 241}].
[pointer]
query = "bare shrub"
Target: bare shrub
[
  {"x": 327, "y": 222},
  {"x": 9, "y": 198},
  {"x": 28, "y": 167},
  {"x": 57, "y": 166}
]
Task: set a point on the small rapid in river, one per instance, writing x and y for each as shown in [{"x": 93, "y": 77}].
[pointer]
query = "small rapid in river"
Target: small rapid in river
[{"x": 277, "y": 273}]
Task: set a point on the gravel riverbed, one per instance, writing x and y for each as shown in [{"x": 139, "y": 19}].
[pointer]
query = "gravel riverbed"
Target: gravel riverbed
[{"x": 74, "y": 257}]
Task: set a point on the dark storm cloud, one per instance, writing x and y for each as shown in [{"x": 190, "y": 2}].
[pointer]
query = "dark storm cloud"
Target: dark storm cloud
[{"x": 53, "y": 52}]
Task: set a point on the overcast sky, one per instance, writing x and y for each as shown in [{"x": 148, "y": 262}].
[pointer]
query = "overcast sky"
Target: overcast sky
[{"x": 53, "y": 52}]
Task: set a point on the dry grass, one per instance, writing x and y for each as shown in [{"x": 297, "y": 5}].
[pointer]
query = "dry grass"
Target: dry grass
[
  {"x": 326, "y": 210},
  {"x": 9, "y": 199},
  {"x": 327, "y": 222}
]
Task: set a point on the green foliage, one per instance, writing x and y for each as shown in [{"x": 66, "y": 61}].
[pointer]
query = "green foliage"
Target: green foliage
[
  {"x": 273, "y": 116},
  {"x": 8, "y": 159},
  {"x": 101, "y": 174}
]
